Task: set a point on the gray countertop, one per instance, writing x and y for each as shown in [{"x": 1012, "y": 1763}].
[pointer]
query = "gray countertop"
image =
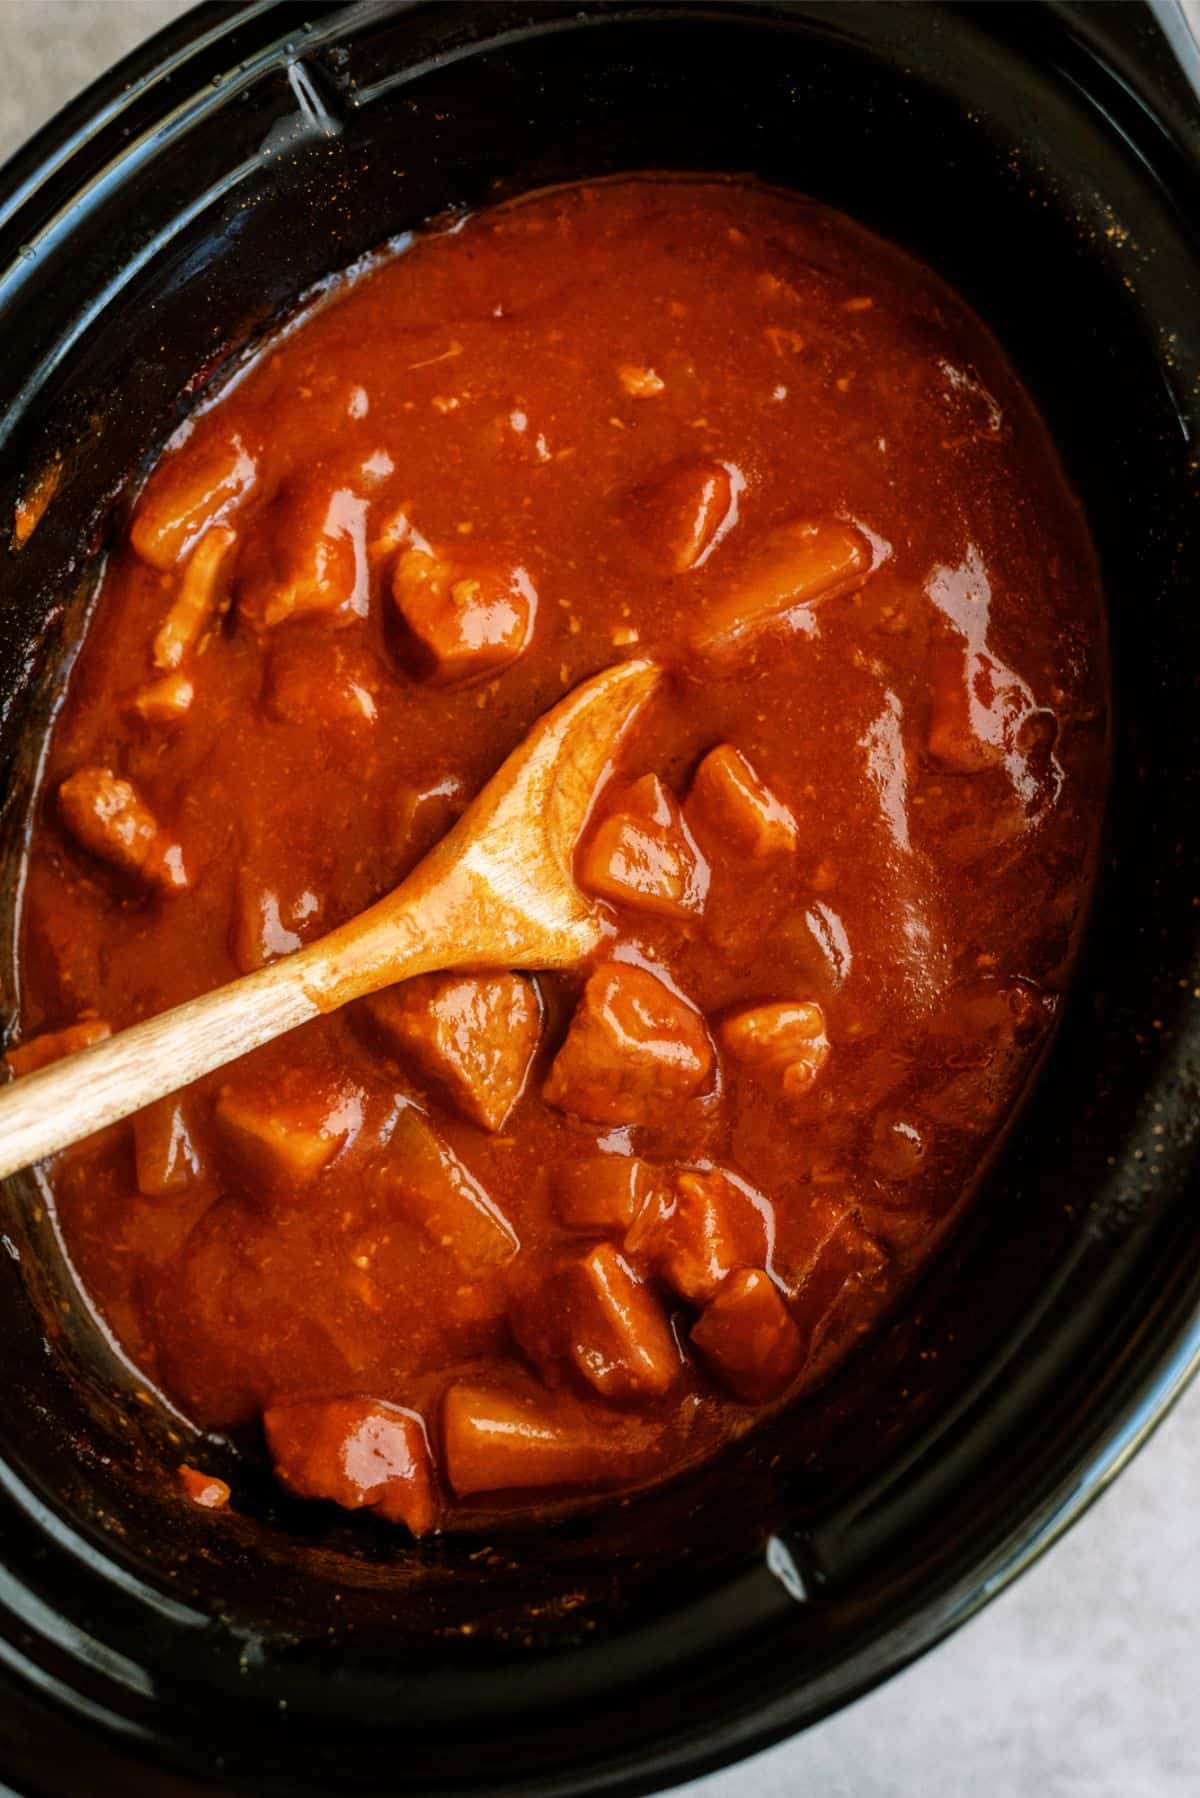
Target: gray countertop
[{"x": 1078, "y": 1683}]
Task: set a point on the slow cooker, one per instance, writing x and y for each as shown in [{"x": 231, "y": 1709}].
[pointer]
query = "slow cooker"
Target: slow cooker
[{"x": 1045, "y": 158}]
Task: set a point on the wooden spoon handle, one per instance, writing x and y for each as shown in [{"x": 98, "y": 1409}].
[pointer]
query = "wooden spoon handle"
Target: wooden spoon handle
[
  {"x": 46, "y": 1111},
  {"x": 437, "y": 919},
  {"x": 497, "y": 891},
  {"x": 424, "y": 924}
]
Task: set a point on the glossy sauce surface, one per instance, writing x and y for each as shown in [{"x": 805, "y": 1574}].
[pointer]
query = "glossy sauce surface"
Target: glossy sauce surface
[{"x": 487, "y": 1240}]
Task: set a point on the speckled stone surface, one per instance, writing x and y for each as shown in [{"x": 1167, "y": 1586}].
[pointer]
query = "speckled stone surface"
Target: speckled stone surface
[{"x": 1081, "y": 1682}]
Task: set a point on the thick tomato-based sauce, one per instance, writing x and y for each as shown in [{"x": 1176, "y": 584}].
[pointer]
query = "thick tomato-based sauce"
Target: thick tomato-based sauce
[{"x": 491, "y": 1239}]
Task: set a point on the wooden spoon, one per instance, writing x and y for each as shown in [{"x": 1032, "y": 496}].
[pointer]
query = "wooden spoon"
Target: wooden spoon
[{"x": 498, "y": 891}]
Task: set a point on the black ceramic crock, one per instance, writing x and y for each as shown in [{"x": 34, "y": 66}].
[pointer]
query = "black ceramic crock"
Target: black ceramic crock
[{"x": 1046, "y": 159}]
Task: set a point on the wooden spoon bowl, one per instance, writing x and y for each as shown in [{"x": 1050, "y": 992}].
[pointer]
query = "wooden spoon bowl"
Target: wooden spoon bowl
[{"x": 497, "y": 892}]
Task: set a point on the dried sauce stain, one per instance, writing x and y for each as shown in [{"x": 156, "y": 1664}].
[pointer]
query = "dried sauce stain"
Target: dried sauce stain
[
  {"x": 488, "y": 1242},
  {"x": 35, "y": 498}
]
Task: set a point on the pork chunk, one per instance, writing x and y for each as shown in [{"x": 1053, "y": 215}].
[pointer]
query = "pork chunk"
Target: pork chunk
[
  {"x": 464, "y": 619},
  {"x": 783, "y": 1044},
  {"x": 192, "y": 489},
  {"x": 595, "y": 1315},
  {"x": 697, "y": 1229},
  {"x": 735, "y": 807},
  {"x": 475, "y": 1035},
  {"x": 308, "y": 555},
  {"x": 642, "y": 854},
  {"x": 364, "y": 1454},
  {"x": 285, "y": 1128},
  {"x": 748, "y": 1339},
  {"x": 680, "y": 513},
  {"x": 633, "y": 1047},
  {"x": 620, "y": 1339},
  {"x": 107, "y": 817}
]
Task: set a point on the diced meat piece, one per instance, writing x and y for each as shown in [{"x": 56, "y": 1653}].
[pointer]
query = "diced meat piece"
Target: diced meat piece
[
  {"x": 166, "y": 1158},
  {"x": 440, "y": 1194},
  {"x": 603, "y": 1193},
  {"x": 266, "y": 925},
  {"x": 640, "y": 383},
  {"x": 496, "y": 1441},
  {"x": 105, "y": 814},
  {"x": 191, "y": 489},
  {"x": 643, "y": 855},
  {"x": 832, "y": 1269},
  {"x": 308, "y": 555},
  {"x": 748, "y": 1339},
  {"x": 364, "y": 1454},
  {"x": 313, "y": 681},
  {"x": 464, "y": 619},
  {"x": 796, "y": 566},
  {"x": 633, "y": 1047},
  {"x": 165, "y": 700},
  {"x": 106, "y": 817},
  {"x": 681, "y": 513},
  {"x": 284, "y": 1129},
  {"x": 785, "y": 1042},
  {"x": 737, "y": 808},
  {"x": 203, "y": 1489},
  {"x": 643, "y": 866},
  {"x": 199, "y": 601},
  {"x": 40, "y": 1051},
  {"x": 697, "y": 1230},
  {"x": 619, "y": 1338},
  {"x": 474, "y": 1034},
  {"x": 596, "y": 1315}
]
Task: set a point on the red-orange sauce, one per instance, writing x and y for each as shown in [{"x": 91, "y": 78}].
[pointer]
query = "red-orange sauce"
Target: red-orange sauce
[{"x": 495, "y": 1239}]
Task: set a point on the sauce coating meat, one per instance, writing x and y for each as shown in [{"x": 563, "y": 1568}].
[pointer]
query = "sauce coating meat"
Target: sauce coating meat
[{"x": 487, "y": 1241}]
